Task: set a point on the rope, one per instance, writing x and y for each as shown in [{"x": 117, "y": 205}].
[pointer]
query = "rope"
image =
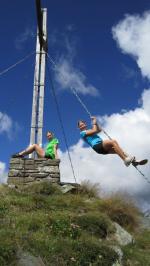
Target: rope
[
  {"x": 17, "y": 63},
  {"x": 145, "y": 177},
  {"x": 61, "y": 122},
  {"x": 88, "y": 112},
  {"x": 77, "y": 96}
]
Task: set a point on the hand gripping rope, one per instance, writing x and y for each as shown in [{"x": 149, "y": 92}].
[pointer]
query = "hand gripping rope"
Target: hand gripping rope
[{"x": 88, "y": 112}]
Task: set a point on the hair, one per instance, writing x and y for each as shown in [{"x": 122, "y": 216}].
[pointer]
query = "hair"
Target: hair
[
  {"x": 50, "y": 133},
  {"x": 80, "y": 121}
]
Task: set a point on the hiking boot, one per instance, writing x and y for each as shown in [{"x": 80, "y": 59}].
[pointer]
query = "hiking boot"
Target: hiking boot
[
  {"x": 139, "y": 162},
  {"x": 128, "y": 160},
  {"x": 17, "y": 155}
]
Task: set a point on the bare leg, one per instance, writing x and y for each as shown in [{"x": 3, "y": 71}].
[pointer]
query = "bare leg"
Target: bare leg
[
  {"x": 35, "y": 147},
  {"x": 112, "y": 147}
]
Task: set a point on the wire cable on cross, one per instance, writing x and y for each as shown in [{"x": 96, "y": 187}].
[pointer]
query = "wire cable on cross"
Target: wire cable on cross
[
  {"x": 61, "y": 122},
  {"x": 17, "y": 63}
]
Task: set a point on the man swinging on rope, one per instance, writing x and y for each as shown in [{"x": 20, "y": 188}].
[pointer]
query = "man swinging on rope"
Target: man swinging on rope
[{"x": 105, "y": 146}]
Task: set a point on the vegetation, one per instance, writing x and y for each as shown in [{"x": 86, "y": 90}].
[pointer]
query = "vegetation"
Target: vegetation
[
  {"x": 139, "y": 252},
  {"x": 67, "y": 229}
]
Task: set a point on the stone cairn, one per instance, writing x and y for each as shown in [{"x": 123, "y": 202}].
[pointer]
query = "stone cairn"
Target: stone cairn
[{"x": 27, "y": 171}]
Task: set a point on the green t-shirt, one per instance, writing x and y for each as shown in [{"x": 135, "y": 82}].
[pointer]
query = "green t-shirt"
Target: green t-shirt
[{"x": 49, "y": 150}]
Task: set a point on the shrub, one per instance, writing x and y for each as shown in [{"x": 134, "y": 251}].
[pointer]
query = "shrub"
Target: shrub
[
  {"x": 44, "y": 188},
  {"x": 90, "y": 190},
  {"x": 3, "y": 208},
  {"x": 121, "y": 210},
  {"x": 75, "y": 203},
  {"x": 92, "y": 252},
  {"x": 30, "y": 222},
  {"x": 138, "y": 253},
  {"x": 8, "y": 247},
  {"x": 21, "y": 203},
  {"x": 62, "y": 253},
  {"x": 67, "y": 252},
  {"x": 95, "y": 224},
  {"x": 60, "y": 225}
]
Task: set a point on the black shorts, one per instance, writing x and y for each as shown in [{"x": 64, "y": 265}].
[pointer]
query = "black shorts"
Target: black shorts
[
  {"x": 48, "y": 157},
  {"x": 99, "y": 148}
]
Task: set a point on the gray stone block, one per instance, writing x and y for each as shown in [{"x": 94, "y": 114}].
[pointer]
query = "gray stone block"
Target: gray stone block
[
  {"x": 40, "y": 160},
  {"x": 51, "y": 162},
  {"x": 16, "y": 180},
  {"x": 39, "y": 175},
  {"x": 16, "y": 161},
  {"x": 52, "y": 180},
  {"x": 23, "y": 174},
  {"x": 49, "y": 169},
  {"x": 29, "y": 167},
  {"x": 31, "y": 171},
  {"x": 13, "y": 173},
  {"x": 16, "y": 166},
  {"x": 26, "y": 170},
  {"x": 29, "y": 162},
  {"x": 29, "y": 179},
  {"x": 53, "y": 175}
]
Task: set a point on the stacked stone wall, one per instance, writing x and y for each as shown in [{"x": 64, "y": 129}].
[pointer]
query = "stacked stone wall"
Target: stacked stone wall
[{"x": 32, "y": 170}]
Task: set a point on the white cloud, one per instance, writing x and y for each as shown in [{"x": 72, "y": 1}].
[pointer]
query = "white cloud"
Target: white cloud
[
  {"x": 3, "y": 174},
  {"x": 132, "y": 36},
  {"x": 5, "y": 123},
  {"x": 131, "y": 129},
  {"x": 70, "y": 27},
  {"x": 8, "y": 126},
  {"x": 68, "y": 76},
  {"x": 23, "y": 38}
]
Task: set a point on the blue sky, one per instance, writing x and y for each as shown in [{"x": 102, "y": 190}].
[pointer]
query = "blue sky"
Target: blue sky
[{"x": 93, "y": 57}]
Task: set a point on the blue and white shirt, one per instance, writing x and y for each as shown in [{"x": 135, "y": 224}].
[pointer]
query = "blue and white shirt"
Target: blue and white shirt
[{"x": 91, "y": 140}]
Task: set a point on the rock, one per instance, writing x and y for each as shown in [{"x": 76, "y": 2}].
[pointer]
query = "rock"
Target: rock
[
  {"x": 26, "y": 259},
  {"x": 67, "y": 188},
  {"x": 51, "y": 179},
  {"x": 51, "y": 162},
  {"x": 12, "y": 186},
  {"x": 16, "y": 160},
  {"x": 16, "y": 166},
  {"x": 50, "y": 168},
  {"x": 122, "y": 236},
  {"x": 13, "y": 173},
  {"x": 117, "y": 264},
  {"x": 29, "y": 167},
  {"x": 120, "y": 254},
  {"x": 39, "y": 175},
  {"x": 20, "y": 180}
]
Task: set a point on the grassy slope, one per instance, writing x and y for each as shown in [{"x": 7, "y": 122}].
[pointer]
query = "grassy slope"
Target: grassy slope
[{"x": 67, "y": 229}]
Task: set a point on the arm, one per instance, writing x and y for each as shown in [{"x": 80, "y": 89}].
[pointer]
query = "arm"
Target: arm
[
  {"x": 55, "y": 151},
  {"x": 95, "y": 127}
]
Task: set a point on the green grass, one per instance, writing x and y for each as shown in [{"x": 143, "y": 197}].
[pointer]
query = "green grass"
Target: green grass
[
  {"x": 138, "y": 253},
  {"x": 70, "y": 229}
]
